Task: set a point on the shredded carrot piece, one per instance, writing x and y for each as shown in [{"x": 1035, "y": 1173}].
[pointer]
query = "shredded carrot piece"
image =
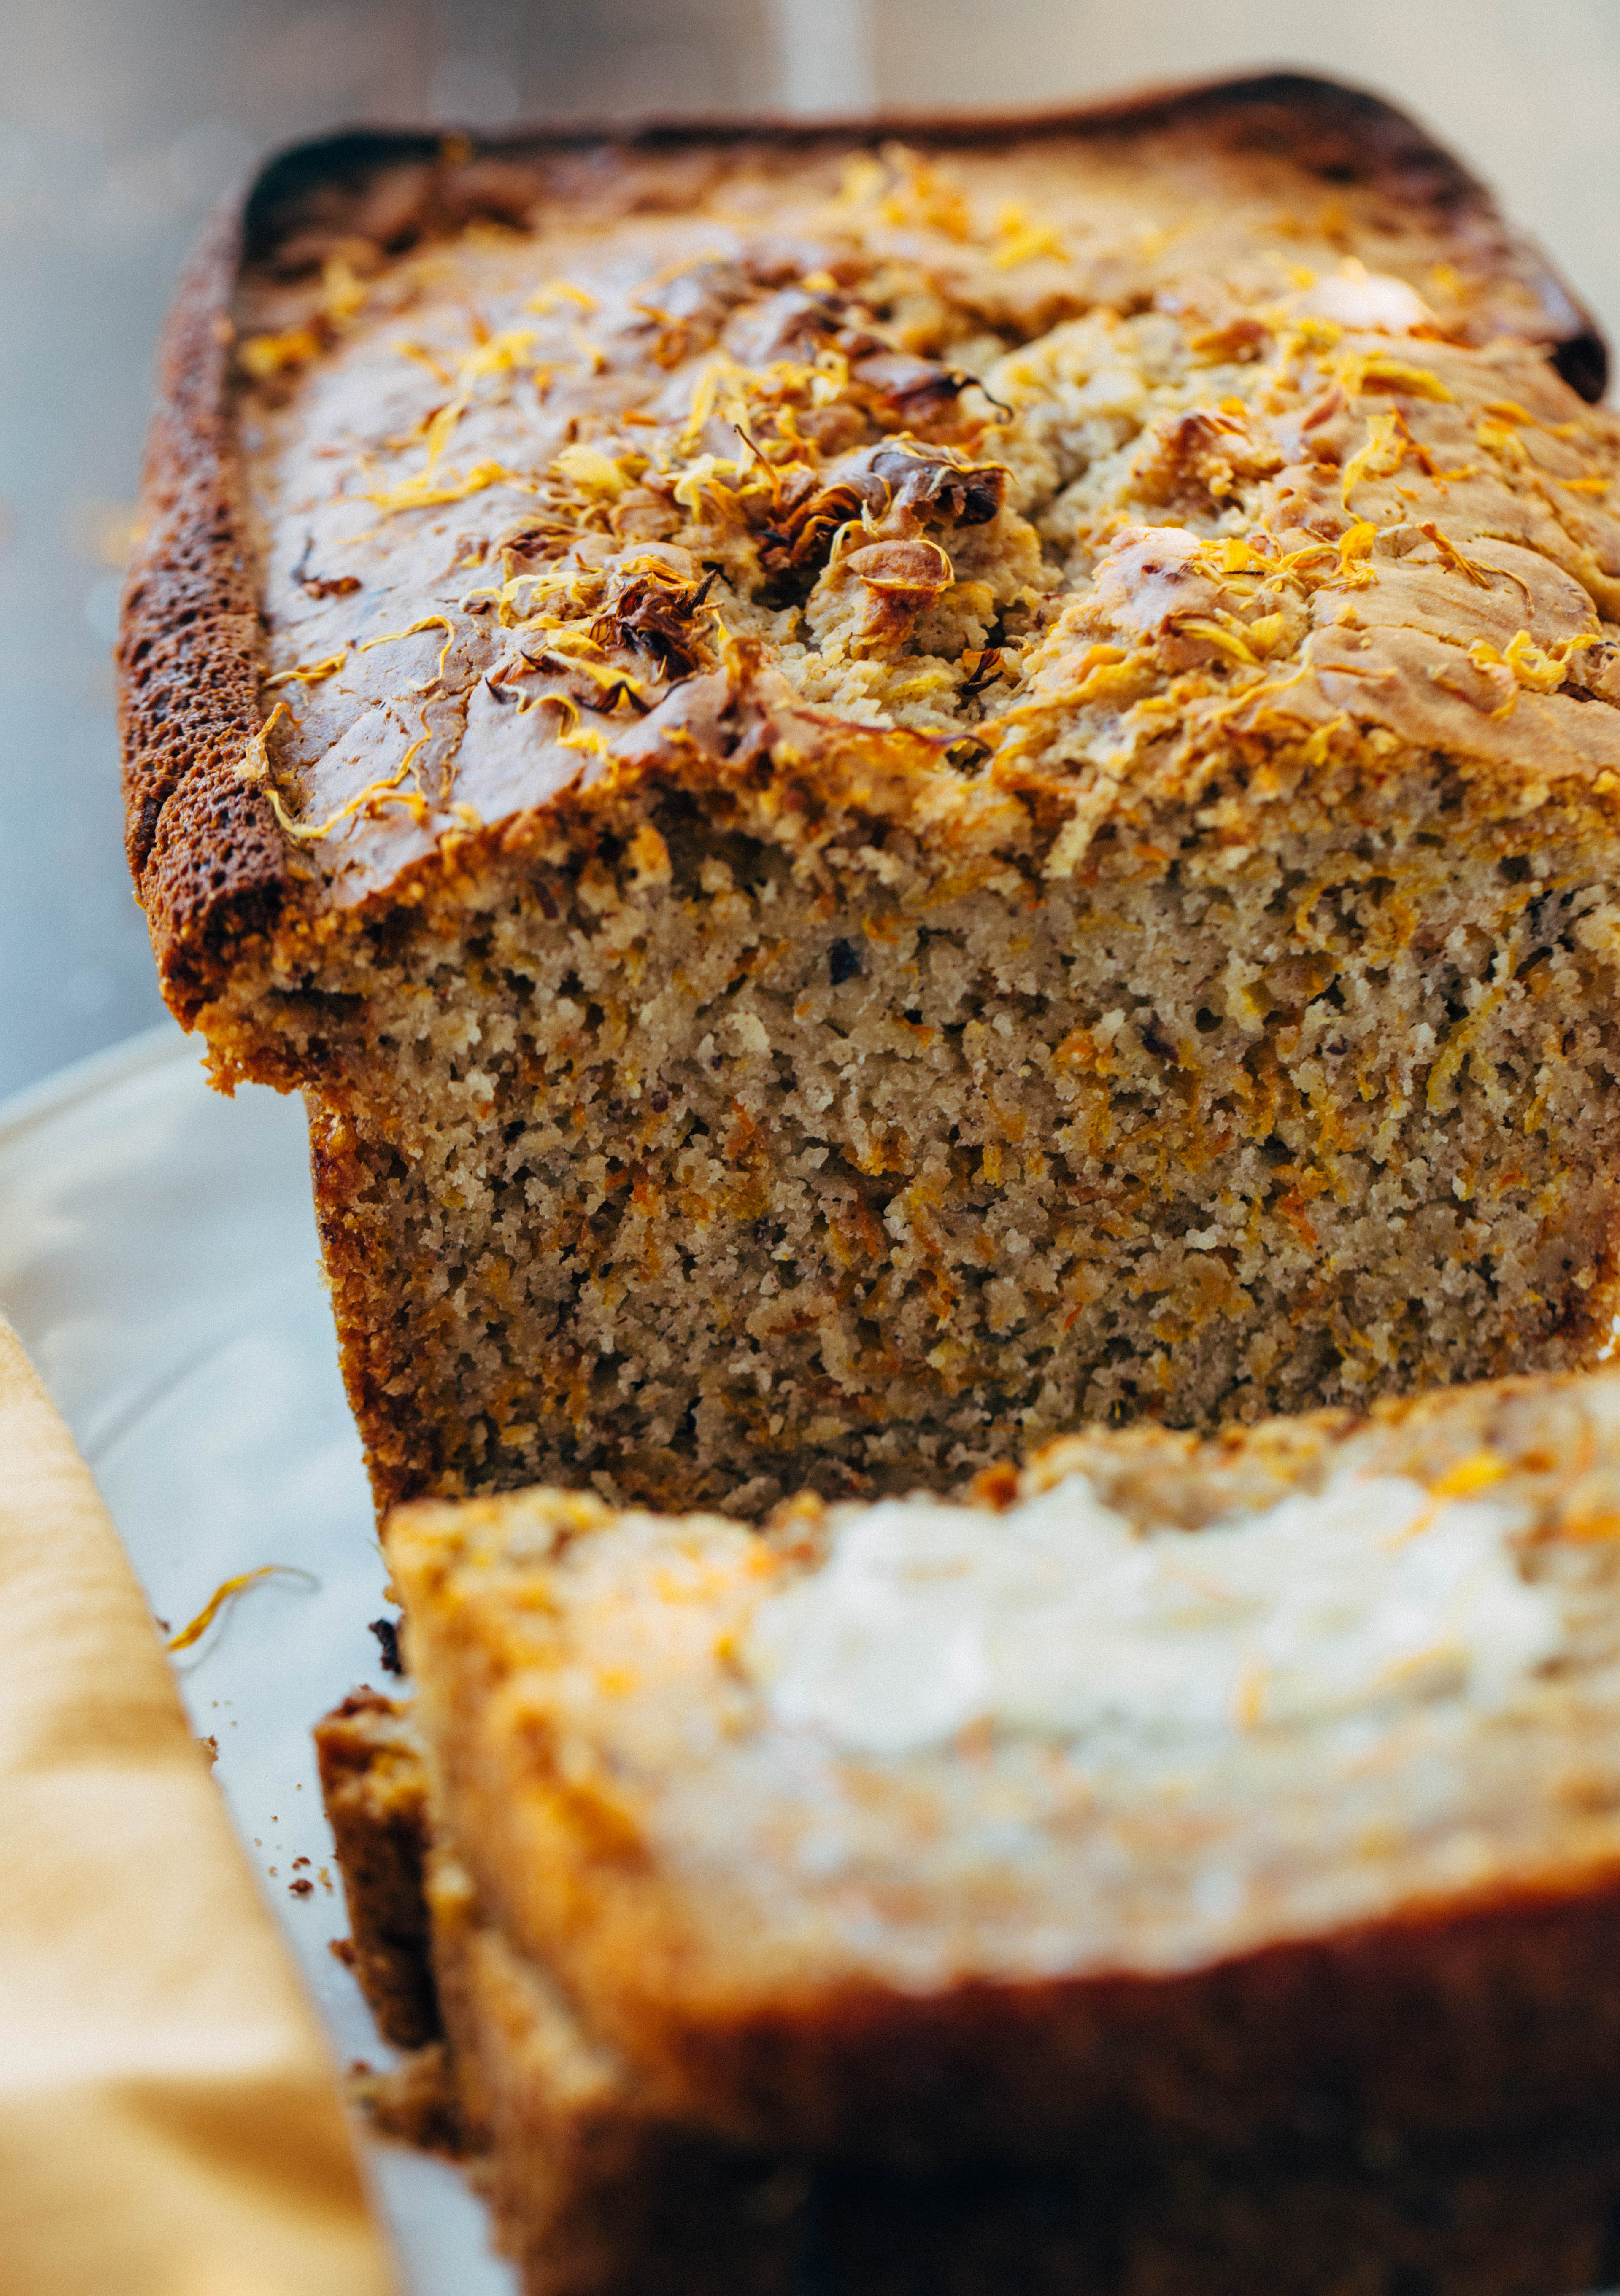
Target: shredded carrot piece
[
  {"x": 1389, "y": 444},
  {"x": 591, "y": 470},
  {"x": 1380, "y": 458},
  {"x": 380, "y": 792},
  {"x": 1477, "y": 1472},
  {"x": 422, "y": 492},
  {"x": 922, "y": 196},
  {"x": 263, "y": 355},
  {"x": 223, "y": 1593},
  {"x": 557, "y": 293},
  {"x": 254, "y": 762},
  {"x": 1230, "y": 643},
  {"x": 1541, "y": 672},
  {"x": 572, "y": 733},
  {"x": 862, "y": 180},
  {"x": 704, "y": 485},
  {"x": 1482, "y": 575},
  {"x": 1022, "y": 237},
  {"x": 342, "y": 293},
  {"x": 1319, "y": 749},
  {"x": 490, "y": 355},
  {"x": 427, "y": 622},
  {"x": 1251, "y": 694},
  {"x": 307, "y": 673},
  {"x": 1235, "y": 557},
  {"x": 1359, "y": 369},
  {"x": 424, "y": 357}
]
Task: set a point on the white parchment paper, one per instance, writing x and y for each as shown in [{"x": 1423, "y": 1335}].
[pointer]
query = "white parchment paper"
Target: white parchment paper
[{"x": 157, "y": 1257}]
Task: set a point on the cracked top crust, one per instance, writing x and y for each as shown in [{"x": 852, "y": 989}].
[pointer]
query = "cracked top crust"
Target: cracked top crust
[{"x": 975, "y": 477}]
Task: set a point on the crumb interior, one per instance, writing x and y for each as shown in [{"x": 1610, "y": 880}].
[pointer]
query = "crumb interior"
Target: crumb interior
[
  {"x": 1250, "y": 638},
  {"x": 753, "y": 1177}
]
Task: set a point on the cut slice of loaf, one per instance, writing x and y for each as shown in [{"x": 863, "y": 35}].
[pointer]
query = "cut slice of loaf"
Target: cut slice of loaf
[
  {"x": 1179, "y": 1818},
  {"x": 595, "y": 2194},
  {"x": 889, "y": 796},
  {"x": 1203, "y": 1784}
]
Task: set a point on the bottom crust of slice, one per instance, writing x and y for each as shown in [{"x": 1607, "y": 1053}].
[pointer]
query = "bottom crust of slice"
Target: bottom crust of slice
[{"x": 596, "y": 2194}]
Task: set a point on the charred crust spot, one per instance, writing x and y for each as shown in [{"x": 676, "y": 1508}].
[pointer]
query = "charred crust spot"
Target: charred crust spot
[
  {"x": 1582, "y": 360},
  {"x": 655, "y": 619},
  {"x": 928, "y": 485},
  {"x": 387, "y": 1632}
]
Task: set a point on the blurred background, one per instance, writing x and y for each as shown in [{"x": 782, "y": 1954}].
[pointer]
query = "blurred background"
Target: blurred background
[{"x": 122, "y": 121}]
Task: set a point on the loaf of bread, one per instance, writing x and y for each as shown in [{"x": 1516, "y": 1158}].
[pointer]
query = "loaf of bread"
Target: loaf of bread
[
  {"x": 889, "y": 795},
  {"x": 1180, "y": 1816}
]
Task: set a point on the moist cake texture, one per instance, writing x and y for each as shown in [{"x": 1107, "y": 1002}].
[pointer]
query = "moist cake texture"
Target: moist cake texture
[
  {"x": 746, "y": 1850},
  {"x": 890, "y": 796}
]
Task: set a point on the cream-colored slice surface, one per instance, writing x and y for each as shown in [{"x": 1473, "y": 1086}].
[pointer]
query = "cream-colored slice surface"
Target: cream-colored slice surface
[
  {"x": 1183, "y": 1702},
  {"x": 1058, "y": 1617}
]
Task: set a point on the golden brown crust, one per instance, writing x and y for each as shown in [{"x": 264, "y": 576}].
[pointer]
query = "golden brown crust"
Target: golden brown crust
[
  {"x": 596, "y": 2196},
  {"x": 210, "y": 866},
  {"x": 208, "y": 861},
  {"x": 589, "y": 2189}
]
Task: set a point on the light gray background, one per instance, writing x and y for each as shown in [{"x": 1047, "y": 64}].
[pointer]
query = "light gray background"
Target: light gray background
[{"x": 122, "y": 120}]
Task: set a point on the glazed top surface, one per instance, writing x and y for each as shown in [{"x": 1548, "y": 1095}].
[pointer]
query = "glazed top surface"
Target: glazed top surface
[{"x": 1059, "y": 466}]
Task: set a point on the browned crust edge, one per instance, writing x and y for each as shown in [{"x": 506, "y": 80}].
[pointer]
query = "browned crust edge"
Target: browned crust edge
[
  {"x": 209, "y": 866},
  {"x": 1451, "y": 2022},
  {"x": 379, "y": 1825},
  {"x": 208, "y": 862}
]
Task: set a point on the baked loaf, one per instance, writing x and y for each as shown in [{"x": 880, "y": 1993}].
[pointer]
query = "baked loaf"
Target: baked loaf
[
  {"x": 891, "y": 796},
  {"x": 1197, "y": 1820}
]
